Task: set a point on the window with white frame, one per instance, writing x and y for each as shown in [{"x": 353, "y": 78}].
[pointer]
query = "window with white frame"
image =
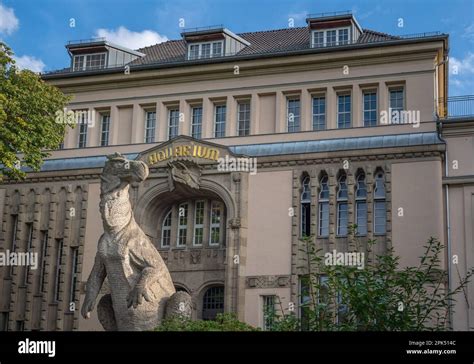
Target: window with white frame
[
  {"x": 370, "y": 108},
  {"x": 323, "y": 204},
  {"x": 243, "y": 118},
  {"x": 342, "y": 206},
  {"x": 344, "y": 110},
  {"x": 205, "y": 50},
  {"x": 104, "y": 130},
  {"x": 219, "y": 120},
  {"x": 150, "y": 125},
  {"x": 361, "y": 204},
  {"x": 196, "y": 122},
  {"x": 330, "y": 37},
  {"x": 173, "y": 123},
  {"x": 319, "y": 112},
  {"x": 215, "y": 223},
  {"x": 82, "y": 120},
  {"x": 87, "y": 62},
  {"x": 166, "y": 230},
  {"x": 268, "y": 308},
  {"x": 198, "y": 236},
  {"x": 293, "y": 114},
  {"x": 380, "y": 207},
  {"x": 182, "y": 224},
  {"x": 396, "y": 103}
]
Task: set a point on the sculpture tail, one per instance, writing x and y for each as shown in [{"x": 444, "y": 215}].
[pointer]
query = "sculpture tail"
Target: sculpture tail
[{"x": 179, "y": 304}]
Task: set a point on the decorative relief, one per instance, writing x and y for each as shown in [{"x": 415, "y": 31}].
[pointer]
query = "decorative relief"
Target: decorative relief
[{"x": 268, "y": 282}]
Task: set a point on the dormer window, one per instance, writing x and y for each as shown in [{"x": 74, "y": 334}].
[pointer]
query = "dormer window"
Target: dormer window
[
  {"x": 330, "y": 37},
  {"x": 205, "y": 50},
  {"x": 85, "y": 62}
]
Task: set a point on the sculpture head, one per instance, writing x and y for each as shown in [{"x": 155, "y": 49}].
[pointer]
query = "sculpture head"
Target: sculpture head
[{"x": 119, "y": 170}]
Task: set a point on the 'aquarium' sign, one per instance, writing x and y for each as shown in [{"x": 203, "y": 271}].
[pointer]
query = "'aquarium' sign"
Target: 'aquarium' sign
[{"x": 183, "y": 150}]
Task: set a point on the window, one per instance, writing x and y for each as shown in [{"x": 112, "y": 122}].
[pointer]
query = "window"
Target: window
[
  {"x": 59, "y": 263},
  {"x": 219, "y": 121},
  {"x": 243, "y": 119},
  {"x": 396, "y": 104},
  {"x": 212, "y": 302},
  {"x": 305, "y": 301},
  {"x": 173, "y": 123},
  {"x": 182, "y": 224},
  {"x": 380, "y": 208},
  {"x": 4, "y": 316},
  {"x": 83, "y": 123},
  {"x": 341, "y": 309},
  {"x": 198, "y": 237},
  {"x": 344, "y": 111},
  {"x": 196, "y": 122},
  {"x": 89, "y": 62},
  {"x": 215, "y": 226},
  {"x": 370, "y": 108},
  {"x": 166, "y": 231},
  {"x": 323, "y": 207},
  {"x": 74, "y": 274},
  {"x": 44, "y": 251},
  {"x": 306, "y": 207},
  {"x": 342, "y": 206},
  {"x": 319, "y": 113},
  {"x": 150, "y": 125},
  {"x": 361, "y": 205},
  {"x": 29, "y": 249},
  {"x": 332, "y": 37},
  {"x": 13, "y": 240},
  {"x": 318, "y": 39},
  {"x": 104, "y": 130},
  {"x": 293, "y": 115},
  {"x": 268, "y": 305},
  {"x": 205, "y": 50}
]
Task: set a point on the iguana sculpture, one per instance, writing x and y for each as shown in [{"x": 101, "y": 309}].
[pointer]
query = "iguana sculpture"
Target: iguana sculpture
[{"x": 141, "y": 290}]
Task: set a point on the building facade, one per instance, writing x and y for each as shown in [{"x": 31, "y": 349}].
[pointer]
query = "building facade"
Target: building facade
[{"x": 346, "y": 126}]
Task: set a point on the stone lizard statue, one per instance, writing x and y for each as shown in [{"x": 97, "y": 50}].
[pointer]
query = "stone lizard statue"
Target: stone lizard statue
[{"x": 142, "y": 292}]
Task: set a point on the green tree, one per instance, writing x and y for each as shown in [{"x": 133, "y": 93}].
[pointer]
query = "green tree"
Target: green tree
[
  {"x": 28, "y": 109},
  {"x": 381, "y": 297},
  {"x": 223, "y": 322}
]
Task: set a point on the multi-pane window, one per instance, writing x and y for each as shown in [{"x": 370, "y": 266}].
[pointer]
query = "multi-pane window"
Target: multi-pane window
[
  {"x": 29, "y": 249},
  {"x": 104, "y": 130},
  {"x": 89, "y": 62},
  {"x": 323, "y": 230},
  {"x": 13, "y": 240},
  {"x": 305, "y": 301},
  {"x": 198, "y": 237},
  {"x": 182, "y": 224},
  {"x": 44, "y": 251},
  {"x": 331, "y": 37},
  {"x": 370, "y": 108},
  {"x": 293, "y": 114},
  {"x": 306, "y": 207},
  {"x": 74, "y": 273},
  {"x": 361, "y": 205},
  {"x": 215, "y": 225},
  {"x": 318, "y": 39},
  {"x": 173, "y": 123},
  {"x": 343, "y": 36},
  {"x": 205, "y": 50},
  {"x": 59, "y": 263},
  {"x": 343, "y": 111},
  {"x": 166, "y": 231},
  {"x": 342, "y": 206},
  {"x": 268, "y": 306},
  {"x": 196, "y": 122},
  {"x": 150, "y": 125},
  {"x": 219, "y": 121},
  {"x": 319, "y": 113},
  {"x": 213, "y": 303},
  {"x": 83, "y": 123},
  {"x": 243, "y": 118},
  {"x": 380, "y": 208},
  {"x": 396, "y": 103}
]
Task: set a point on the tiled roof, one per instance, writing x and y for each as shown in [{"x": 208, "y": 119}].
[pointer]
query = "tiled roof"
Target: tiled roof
[{"x": 268, "y": 41}]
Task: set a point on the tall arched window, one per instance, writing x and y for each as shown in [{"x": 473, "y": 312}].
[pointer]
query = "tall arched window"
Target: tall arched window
[
  {"x": 213, "y": 302},
  {"x": 342, "y": 206},
  {"x": 361, "y": 204},
  {"x": 182, "y": 224},
  {"x": 380, "y": 207},
  {"x": 306, "y": 207},
  {"x": 166, "y": 231},
  {"x": 323, "y": 207}
]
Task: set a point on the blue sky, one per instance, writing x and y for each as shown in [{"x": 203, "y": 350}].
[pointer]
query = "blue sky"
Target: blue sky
[{"x": 37, "y": 30}]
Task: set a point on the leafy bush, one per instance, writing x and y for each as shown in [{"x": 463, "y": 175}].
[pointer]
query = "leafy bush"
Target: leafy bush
[{"x": 223, "y": 322}]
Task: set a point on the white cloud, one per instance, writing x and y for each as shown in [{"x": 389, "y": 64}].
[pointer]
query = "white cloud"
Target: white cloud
[
  {"x": 8, "y": 21},
  {"x": 469, "y": 32},
  {"x": 130, "y": 39},
  {"x": 460, "y": 67},
  {"x": 31, "y": 63}
]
